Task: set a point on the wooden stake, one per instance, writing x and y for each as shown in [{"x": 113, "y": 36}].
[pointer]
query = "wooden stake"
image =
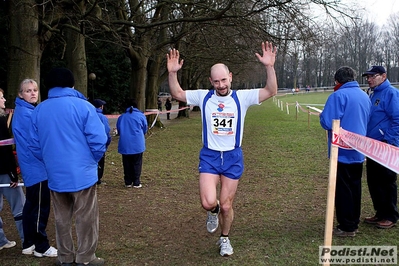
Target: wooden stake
[
  {"x": 9, "y": 118},
  {"x": 332, "y": 180}
]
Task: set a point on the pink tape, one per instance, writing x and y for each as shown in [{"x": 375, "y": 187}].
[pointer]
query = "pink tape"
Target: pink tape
[
  {"x": 6, "y": 142},
  {"x": 152, "y": 112},
  {"x": 381, "y": 152}
]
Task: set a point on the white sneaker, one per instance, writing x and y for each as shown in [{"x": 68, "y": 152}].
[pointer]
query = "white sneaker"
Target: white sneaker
[
  {"x": 51, "y": 252},
  {"x": 9, "y": 244},
  {"x": 225, "y": 247},
  {"x": 29, "y": 250},
  {"x": 212, "y": 221},
  {"x": 138, "y": 186}
]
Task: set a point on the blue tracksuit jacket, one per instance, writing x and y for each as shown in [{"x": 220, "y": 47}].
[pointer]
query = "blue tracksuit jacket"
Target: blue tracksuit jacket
[
  {"x": 351, "y": 106},
  {"x": 131, "y": 129},
  {"x": 384, "y": 117},
  {"x": 69, "y": 137},
  {"x": 32, "y": 169}
]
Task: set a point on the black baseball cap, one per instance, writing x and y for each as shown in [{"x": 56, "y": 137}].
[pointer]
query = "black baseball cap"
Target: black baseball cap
[
  {"x": 98, "y": 103},
  {"x": 374, "y": 70}
]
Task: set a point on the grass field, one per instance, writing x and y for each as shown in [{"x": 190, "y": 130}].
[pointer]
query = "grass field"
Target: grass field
[{"x": 279, "y": 207}]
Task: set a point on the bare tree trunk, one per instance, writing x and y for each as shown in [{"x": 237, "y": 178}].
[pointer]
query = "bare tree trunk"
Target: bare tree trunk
[
  {"x": 153, "y": 68},
  {"x": 76, "y": 59},
  {"x": 153, "y": 85},
  {"x": 24, "y": 46},
  {"x": 138, "y": 77}
]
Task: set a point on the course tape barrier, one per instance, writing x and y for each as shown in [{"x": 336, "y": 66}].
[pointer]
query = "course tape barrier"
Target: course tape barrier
[
  {"x": 148, "y": 112},
  {"x": 6, "y": 142},
  {"x": 153, "y": 112},
  {"x": 299, "y": 106},
  {"x": 381, "y": 152},
  {"x": 10, "y": 141},
  {"x": 8, "y": 185}
]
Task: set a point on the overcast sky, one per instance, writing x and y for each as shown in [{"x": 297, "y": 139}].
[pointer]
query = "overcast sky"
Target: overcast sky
[{"x": 378, "y": 11}]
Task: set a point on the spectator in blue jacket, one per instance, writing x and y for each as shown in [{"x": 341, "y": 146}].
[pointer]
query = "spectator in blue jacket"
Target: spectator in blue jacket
[
  {"x": 383, "y": 126},
  {"x": 99, "y": 104},
  {"x": 37, "y": 206},
  {"x": 132, "y": 127},
  {"x": 69, "y": 137},
  {"x": 8, "y": 175},
  {"x": 351, "y": 106}
]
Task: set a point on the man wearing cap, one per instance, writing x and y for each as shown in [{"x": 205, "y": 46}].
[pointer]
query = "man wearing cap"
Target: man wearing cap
[
  {"x": 99, "y": 104},
  {"x": 383, "y": 126}
]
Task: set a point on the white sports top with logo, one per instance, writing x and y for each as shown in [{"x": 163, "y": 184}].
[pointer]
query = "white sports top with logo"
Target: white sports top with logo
[{"x": 221, "y": 115}]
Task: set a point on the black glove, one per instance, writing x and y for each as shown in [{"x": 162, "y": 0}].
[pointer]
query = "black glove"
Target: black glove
[{"x": 13, "y": 176}]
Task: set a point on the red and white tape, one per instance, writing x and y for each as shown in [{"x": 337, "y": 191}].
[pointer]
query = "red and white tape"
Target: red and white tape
[{"x": 383, "y": 153}]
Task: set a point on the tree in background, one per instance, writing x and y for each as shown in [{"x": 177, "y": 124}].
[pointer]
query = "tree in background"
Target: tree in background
[
  {"x": 25, "y": 49},
  {"x": 124, "y": 43}
]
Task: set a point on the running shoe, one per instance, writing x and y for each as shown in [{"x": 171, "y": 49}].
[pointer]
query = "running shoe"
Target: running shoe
[
  {"x": 225, "y": 247},
  {"x": 212, "y": 221}
]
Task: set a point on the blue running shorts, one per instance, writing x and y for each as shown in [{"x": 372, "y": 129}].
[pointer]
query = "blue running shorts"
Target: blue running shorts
[{"x": 227, "y": 163}]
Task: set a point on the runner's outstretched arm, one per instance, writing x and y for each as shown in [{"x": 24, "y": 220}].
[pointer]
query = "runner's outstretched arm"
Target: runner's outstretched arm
[
  {"x": 174, "y": 64},
  {"x": 268, "y": 59}
]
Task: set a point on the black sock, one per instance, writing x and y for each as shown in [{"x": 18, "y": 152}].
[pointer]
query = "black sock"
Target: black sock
[
  {"x": 222, "y": 235},
  {"x": 216, "y": 210}
]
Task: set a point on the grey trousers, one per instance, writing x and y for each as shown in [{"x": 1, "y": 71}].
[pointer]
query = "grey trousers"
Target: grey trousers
[
  {"x": 16, "y": 198},
  {"x": 82, "y": 207}
]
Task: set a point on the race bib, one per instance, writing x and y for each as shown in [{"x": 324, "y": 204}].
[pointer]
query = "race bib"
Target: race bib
[{"x": 223, "y": 123}]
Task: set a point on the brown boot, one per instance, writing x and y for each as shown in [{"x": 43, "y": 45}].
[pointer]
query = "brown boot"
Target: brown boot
[
  {"x": 385, "y": 224},
  {"x": 372, "y": 220}
]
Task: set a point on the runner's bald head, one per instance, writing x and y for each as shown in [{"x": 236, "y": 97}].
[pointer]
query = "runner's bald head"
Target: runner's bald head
[
  {"x": 221, "y": 79},
  {"x": 219, "y": 67}
]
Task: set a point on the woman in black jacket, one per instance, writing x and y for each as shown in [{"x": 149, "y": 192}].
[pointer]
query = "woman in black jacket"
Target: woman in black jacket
[{"x": 8, "y": 175}]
